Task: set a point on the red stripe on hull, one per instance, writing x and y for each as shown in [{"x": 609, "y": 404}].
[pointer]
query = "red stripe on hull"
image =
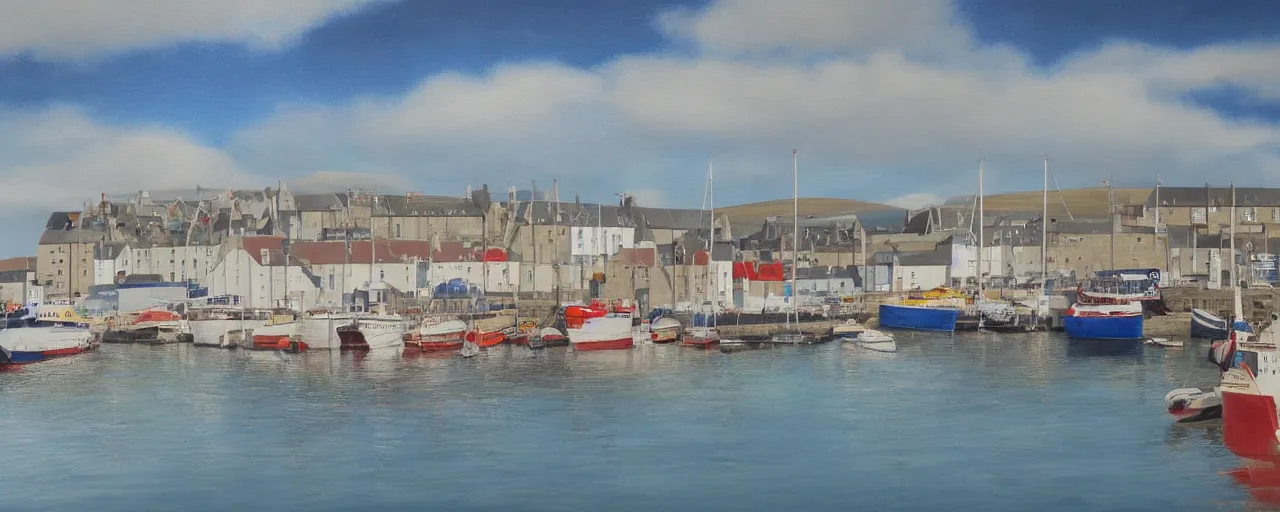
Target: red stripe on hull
[
  {"x": 522, "y": 339},
  {"x": 274, "y": 342},
  {"x": 618, "y": 344},
  {"x": 64, "y": 352},
  {"x": 703, "y": 343},
  {"x": 439, "y": 346},
  {"x": 1249, "y": 425}
]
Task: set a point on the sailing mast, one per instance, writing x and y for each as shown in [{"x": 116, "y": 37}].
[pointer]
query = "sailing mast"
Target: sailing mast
[
  {"x": 711, "y": 236},
  {"x": 1235, "y": 281},
  {"x": 981, "y": 233},
  {"x": 1044, "y": 228},
  {"x": 795, "y": 231}
]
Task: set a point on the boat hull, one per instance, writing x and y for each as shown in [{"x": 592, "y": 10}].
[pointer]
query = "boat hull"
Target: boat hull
[
  {"x": 213, "y": 333},
  {"x": 1103, "y": 327},
  {"x": 1206, "y": 326},
  {"x": 603, "y": 333},
  {"x": 1249, "y": 425},
  {"x": 918, "y": 318},
  {"x": 613, "y": 344},
  {"x": 486, "y": 339},
  {"x": 321, "y": 332},
  {"x": 26, "y": 345}
]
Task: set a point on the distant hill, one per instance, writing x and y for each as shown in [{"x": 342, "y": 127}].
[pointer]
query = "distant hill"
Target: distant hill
[
  {"x": 1081, "y": 202},
  {"x": 747, "y": 218}
]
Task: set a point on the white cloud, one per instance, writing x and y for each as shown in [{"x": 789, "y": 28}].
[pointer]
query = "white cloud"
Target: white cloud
[
  {"x": 917, "y": 200},
  {"x": 59, "y": 158},
  {"x": 733, "y": 27},
  {"x": 900, "y": 103},
  {"x": 884, "y": 103},
  {"x": 338, "y": 181},
  {"x": 75, "y": 29}
]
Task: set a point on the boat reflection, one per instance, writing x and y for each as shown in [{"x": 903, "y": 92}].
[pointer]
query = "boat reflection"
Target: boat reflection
[
  {"x": 1105, "y": 348},
  {"x": 1261, "y": 480}
]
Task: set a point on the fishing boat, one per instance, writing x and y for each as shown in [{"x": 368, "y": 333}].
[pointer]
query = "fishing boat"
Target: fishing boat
[
  {"x": 875, "y": 340},
  {"x": 701, "y": 337},
  {"x": 1099, "y": 318},
  {"x": 596, "y": 327},
  {"x": 372, "y": 332},
  {"x": 664, "y": 330},
  {"x": 60, "y": 333},
  {"x": 1249, "y": 387},
  {"x": 318, "y": 330},
  {"x": 210, "y": 325},
  {"x": 1205, "y": 325},
  {"x": 919, "y": 318}
]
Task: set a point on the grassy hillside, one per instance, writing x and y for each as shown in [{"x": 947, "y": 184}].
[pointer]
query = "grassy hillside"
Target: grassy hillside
[
  {"x": 747, "y": 218},
  {"x": 1086, "y": 202}
]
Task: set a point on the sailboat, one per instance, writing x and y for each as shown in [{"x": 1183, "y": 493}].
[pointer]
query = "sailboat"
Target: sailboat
[
  {"x": 706, "y": 336},
  {"x": 995, "y": 315},
  {"x": 793, "y": 335}
]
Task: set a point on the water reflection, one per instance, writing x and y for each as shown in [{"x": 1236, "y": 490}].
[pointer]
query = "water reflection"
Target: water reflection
[{"x": 974, "y": 420}]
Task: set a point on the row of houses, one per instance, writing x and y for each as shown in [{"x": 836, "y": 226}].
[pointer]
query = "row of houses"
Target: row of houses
[{"x": 276, "y": 247}]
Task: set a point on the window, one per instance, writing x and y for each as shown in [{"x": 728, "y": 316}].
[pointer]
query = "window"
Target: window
[
  {"x": 1139, "y": 239},
  {"x": 172, "y": 277},
  {"x": 1197, "y": 216},
  {"x": 59, "y": 271},
  {"x": 1250, "y": 214},
  {"x": 331, "y": 284}
]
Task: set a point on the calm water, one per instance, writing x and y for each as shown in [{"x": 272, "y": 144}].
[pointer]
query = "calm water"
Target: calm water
[{"x": 976, "y": 422}]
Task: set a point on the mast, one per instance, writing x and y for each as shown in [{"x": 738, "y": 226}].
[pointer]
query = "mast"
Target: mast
[
  {"x": 1111, "y": 219},
  {"x": 373, "y": 250},
  {"x": 981, "y": 232},
  {"x": 711, "y": 237},
  {"x": 795, "y": 229},
  {"x": 1044, "y": 228},
  {"x": 1234, "y": 280}
]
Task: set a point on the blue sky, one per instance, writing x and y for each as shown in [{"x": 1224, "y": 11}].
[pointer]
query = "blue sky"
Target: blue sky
[{"x": 886, "y": 101}]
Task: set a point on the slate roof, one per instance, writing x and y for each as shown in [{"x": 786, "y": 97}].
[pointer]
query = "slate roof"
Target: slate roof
[
  {"x": 109, "y": 250},
  {"x": 71, "y": 236},
  {"x": 1217, "y": 196},
  {"x": 426, "y": 206},
  {"x": 319, "y": 202},
  {"x": 937, "y": 257}
]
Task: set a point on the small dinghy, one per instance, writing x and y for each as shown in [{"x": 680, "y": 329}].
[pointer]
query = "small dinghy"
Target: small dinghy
[
  {"x": 849, "y": 329},
  {"x": 1193, "y": 404},
  {"x": 469, "y": 349},
  {"x": 1162, "y": 342},
  {"x": 877, "y": 341}
]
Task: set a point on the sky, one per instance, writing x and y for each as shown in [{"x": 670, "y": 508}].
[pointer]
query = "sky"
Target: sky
[{"x": 885, "y": 100}]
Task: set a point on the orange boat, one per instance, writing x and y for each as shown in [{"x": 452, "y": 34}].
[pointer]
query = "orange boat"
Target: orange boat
[{"x": 486, "y": 339}]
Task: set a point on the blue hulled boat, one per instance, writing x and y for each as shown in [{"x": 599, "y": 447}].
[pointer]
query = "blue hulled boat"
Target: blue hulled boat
[
  {"x": 1085, "y": 321},
  {"x": 1205, "y": 325},
  {"x": 920, "y": 318}
]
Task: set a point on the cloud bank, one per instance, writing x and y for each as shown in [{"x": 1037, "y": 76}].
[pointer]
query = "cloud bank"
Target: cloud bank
[
  {"x": 78, "y": 29},
  {"x": 884, "y": 103}
]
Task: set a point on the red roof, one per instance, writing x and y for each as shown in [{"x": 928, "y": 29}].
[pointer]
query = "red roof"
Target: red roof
[
  {"x": 638, "y": 257},
  {"x": 389, "y": 251}
]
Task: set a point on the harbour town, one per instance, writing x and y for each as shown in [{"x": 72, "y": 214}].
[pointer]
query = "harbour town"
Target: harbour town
[{"x": 373, "y": 278}]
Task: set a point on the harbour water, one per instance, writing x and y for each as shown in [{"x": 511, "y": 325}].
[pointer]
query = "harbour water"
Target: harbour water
[{"x": 964, "y": 422}]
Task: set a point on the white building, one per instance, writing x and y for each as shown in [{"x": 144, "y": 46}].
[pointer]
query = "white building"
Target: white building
[
  {"x": 588, "y": 243},
  {"x": 109, "y": 259}
]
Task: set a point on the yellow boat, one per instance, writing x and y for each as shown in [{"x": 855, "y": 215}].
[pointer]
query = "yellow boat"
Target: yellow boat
[{"x": 940, "y": 296}]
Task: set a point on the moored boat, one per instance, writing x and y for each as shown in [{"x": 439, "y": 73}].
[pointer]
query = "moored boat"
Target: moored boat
[
  {"x": 1193, "y": 404},
  {"x": 1103, "y": 318},
  {"x": 664, "y": 330},
  {"x": 484, "y": 339},
  {"x": 62, "y": 333},
  {"x": 876, "y": 341},
  {"x": 919, "y": 318},
  {"x": 277, "y": 334},
  {"x": 319, "y": 330},
  {"x": 851, "y": 328},
  {"x": 1205, "y": 325},
  {"x": 552, "y": 337},
  {"x": 707, "y": 338},
  {"x": 437, "y": 335},
  {"x": 210, "y": 326},
  {"x": 596, "y": 327},
  {"x": 372, "y": 332}
]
